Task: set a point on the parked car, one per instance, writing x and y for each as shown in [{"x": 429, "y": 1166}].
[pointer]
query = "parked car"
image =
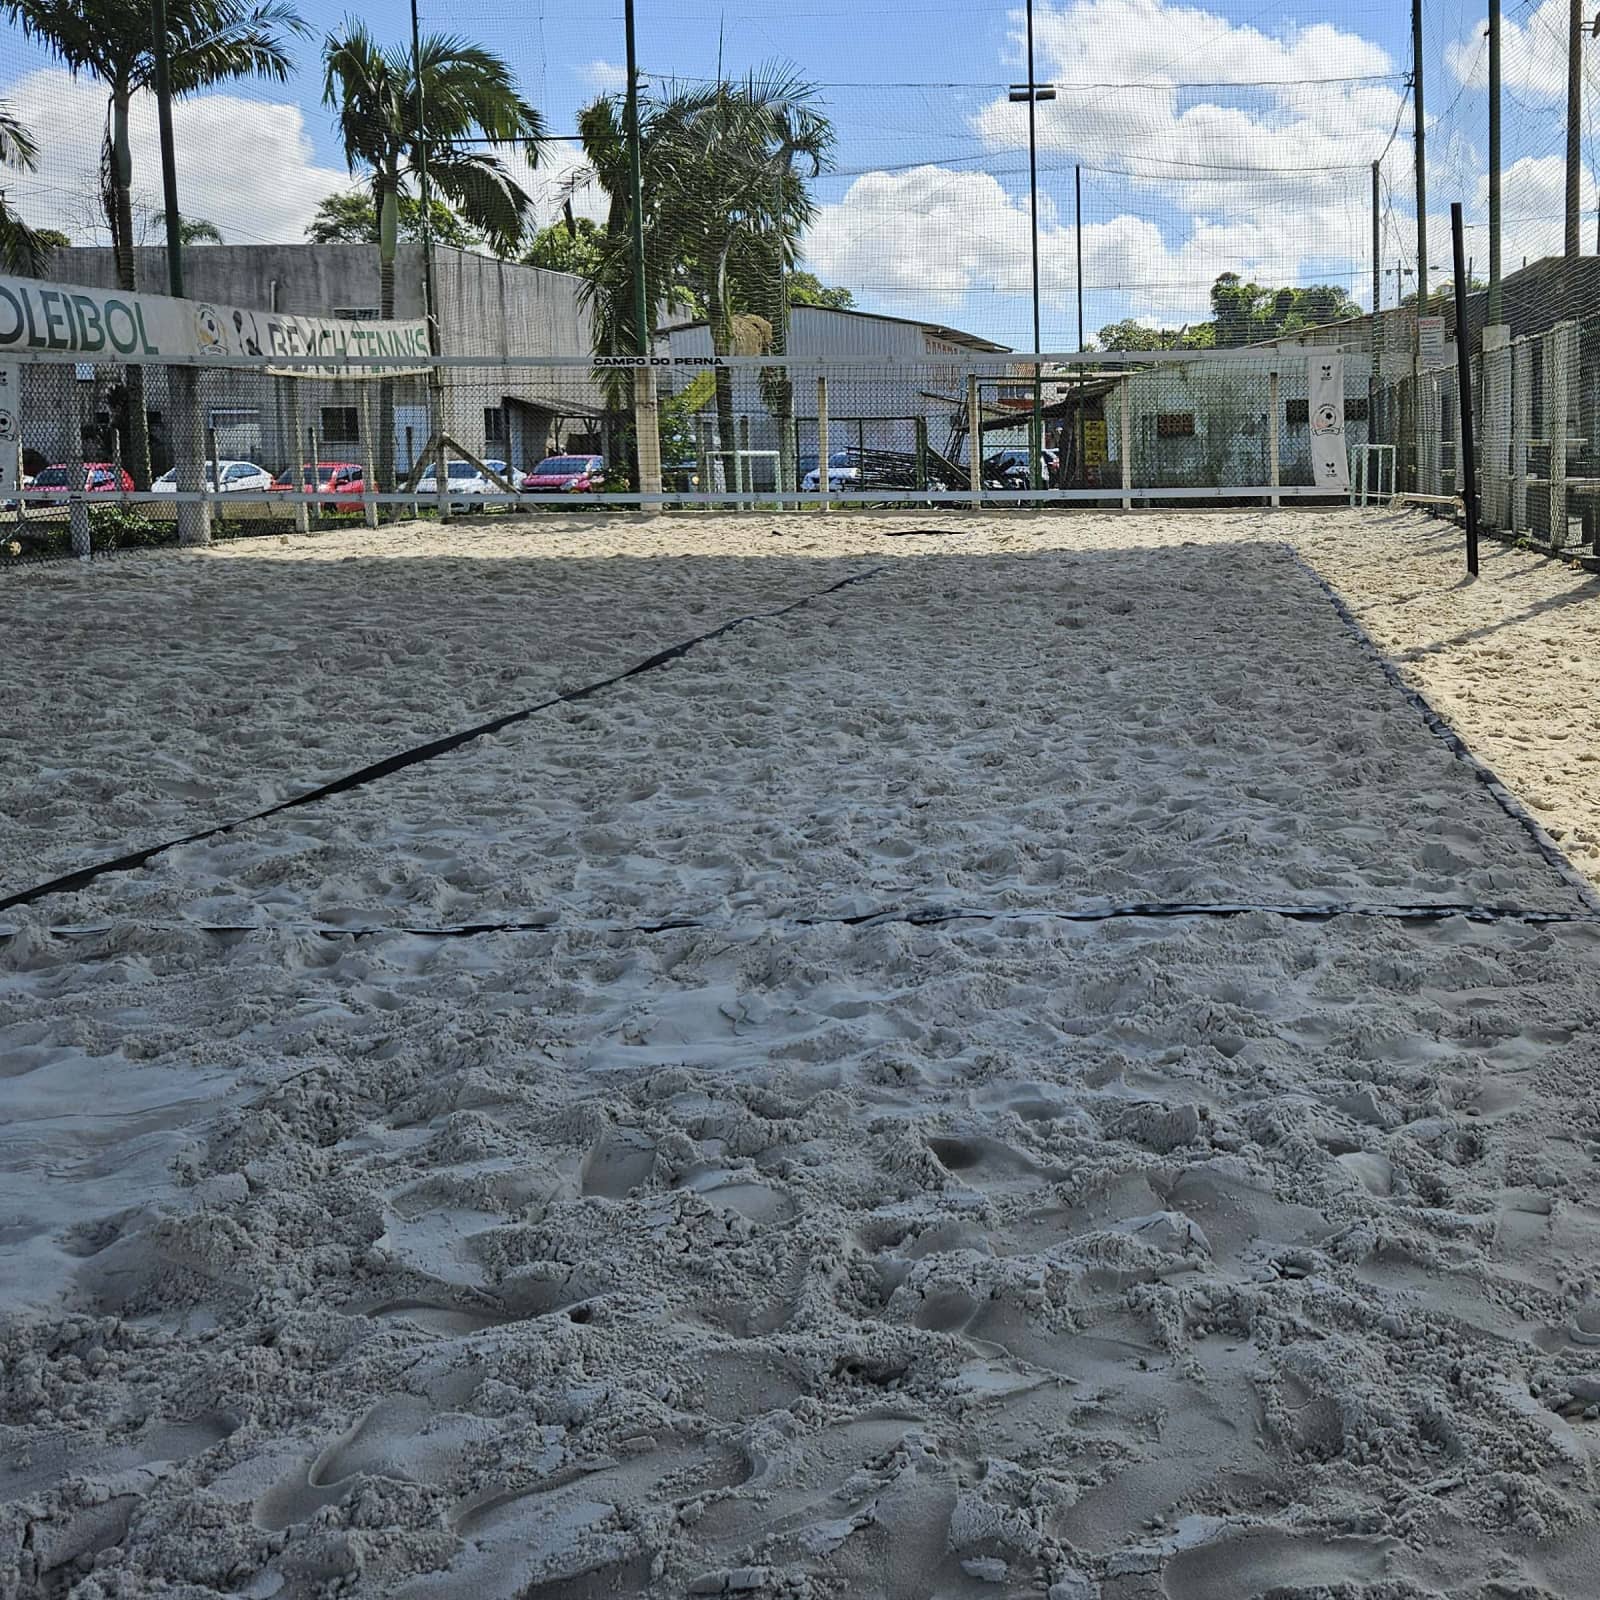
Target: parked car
[
  {"x": 565, "y": 475},
  {"x": 466, "y": 481},
  {"x": 51, "y": 485},
  {"x": 237, "y": 477},
  {"x": 843, "y": 473},
  {"x": 347, "y": 478}
]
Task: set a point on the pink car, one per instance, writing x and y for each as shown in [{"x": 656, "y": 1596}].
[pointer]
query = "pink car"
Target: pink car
[{"x": 565, "y": 475}]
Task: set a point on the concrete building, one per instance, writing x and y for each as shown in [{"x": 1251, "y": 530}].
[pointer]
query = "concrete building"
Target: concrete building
[
  {"x": 878, "y": 408},
  {"x": 487, "y": 307}
]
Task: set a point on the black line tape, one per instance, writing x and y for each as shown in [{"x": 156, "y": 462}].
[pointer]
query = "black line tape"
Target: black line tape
[
  {"x": 83, "y": 876},
  {"x": 1453, "y": 742},
  {"x": 916, "y": 917}
]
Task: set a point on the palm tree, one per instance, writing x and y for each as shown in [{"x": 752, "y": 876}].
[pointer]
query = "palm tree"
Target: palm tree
[
  {"x": 725, "y": 201},
  {"x": 210, "y": 42},
  {"x": 21, "y": 249},
  {"x": 191, "y": 230},
  {"x": 467, "y": 93}
]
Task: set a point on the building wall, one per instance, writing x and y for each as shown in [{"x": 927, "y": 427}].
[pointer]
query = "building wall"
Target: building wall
[
  {"x": 487, "y": 308},
  {"x": 877, "y": 407}
]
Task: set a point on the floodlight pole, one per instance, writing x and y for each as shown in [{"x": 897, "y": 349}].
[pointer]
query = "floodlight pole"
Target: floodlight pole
[
  {"x": 1036, "y": 441},
  {"x": 641, "y": 309},
  {"x": 1575, "y": 31},
  {"x": 1494, "y": 163}
]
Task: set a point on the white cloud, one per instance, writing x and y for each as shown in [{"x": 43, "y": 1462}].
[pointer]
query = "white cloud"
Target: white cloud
[
  {"x": 604, "y": 77},
  {"x": 246, "y": 165},
  {"x": 1533, "y": 53},
  {"x": 564, "y": 174},
  {"x": 1254, "y": 173}
]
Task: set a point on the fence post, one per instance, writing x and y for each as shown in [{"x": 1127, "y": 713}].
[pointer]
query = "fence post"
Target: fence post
[
  {"x": 743, "y": 465},
  {"x": 824, "y": 481},
  {"x": 647, "y": 433},
  {"x": 213, "y": 472},
  {"x": 302, "y": 512},
  {"x": 1558, "y": 407},
  {"x": 975, "y": 441},
  {"x": 1521, "y": 427},
  {"x": 369, "y": 465},
  {"x": 77, "y": 479},
  {"x": 194, "y": 516},
  {"x": 1496, "y": 423},
  {"x": 1273, "y": 388},
  {"x": 1125, "y": 408}
]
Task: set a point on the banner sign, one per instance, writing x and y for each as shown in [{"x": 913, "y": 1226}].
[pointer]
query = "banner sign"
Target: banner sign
[
  {"x": 64, "y": 320},
  {"x": 658, "y": 361},
  {"x": 1330, "y": 462}
]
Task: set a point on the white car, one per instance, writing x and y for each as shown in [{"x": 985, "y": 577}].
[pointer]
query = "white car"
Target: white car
[
  {"x": 466, "y": 481},
  {"x": 841, "y": 474},
  {"x": 236, "y": 476}
]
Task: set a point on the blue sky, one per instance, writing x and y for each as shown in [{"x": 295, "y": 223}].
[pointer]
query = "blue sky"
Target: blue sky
[{"x": 1246, "y": 147}]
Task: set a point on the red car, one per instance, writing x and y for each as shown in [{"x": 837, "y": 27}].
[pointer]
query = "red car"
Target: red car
[
  {"x": 57, "y": 482},
  {"x": 565, "y": 475},
  {"x": 346, "y": 477}
]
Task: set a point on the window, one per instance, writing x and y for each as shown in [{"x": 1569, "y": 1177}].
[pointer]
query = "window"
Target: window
[
  {"x": 341, "y": 425},
  {"x": 494, "y": 424},
  {"x": 1175, "y": 425}
]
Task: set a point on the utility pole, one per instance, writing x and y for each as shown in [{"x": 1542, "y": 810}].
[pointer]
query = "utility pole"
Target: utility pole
[
  {"x": 1575, "y": 32},
  {"x": 1493, "y": 317},
  {"x": 1036, "y": 428},
  {"x": 1422, "y": 164},
  {"x": 1083, "y": 433},
  {"x": 1377, "y": 243},
  {"x": 641, "y": 308}
]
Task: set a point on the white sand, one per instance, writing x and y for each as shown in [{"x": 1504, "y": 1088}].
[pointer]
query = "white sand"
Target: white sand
[{"x": 1151, "y": 1258}]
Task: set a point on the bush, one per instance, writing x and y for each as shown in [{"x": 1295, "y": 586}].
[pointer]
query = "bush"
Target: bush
[{"x": 126, "y": 528}]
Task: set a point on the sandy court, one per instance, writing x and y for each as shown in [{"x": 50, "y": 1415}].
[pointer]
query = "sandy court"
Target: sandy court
[{"x": 735, "y": 1227}]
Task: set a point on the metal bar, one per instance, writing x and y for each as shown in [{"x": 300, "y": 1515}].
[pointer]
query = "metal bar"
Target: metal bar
[
  {"x": 975, "y": 441},
  {"x": 1467, "y": 469},
  {"x": 1494, "y": 163},
  {"x": 1126, "y": 410},
  {"x": 824, "y": 481},
  {"x": 1275, "y": 466}
]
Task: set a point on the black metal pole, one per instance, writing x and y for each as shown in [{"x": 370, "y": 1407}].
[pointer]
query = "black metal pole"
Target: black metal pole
[
  {"x": 1037, "y": 428},
  {"x": 169, "y": 166},
  {"x": 1469, "y": 460},
  {"x": 641, "y": 307},
  {"x": 1083, "y": 435}
]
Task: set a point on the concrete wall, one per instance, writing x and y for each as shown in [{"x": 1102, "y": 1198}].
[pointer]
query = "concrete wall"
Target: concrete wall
[{"x": 487, "y": 308}]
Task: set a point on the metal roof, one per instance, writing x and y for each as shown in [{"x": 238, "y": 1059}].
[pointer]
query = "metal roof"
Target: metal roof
[{"x": 969, "y": 341}]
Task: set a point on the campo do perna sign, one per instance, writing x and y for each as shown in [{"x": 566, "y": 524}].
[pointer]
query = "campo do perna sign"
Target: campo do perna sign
[{"x": 66, "y": 322}]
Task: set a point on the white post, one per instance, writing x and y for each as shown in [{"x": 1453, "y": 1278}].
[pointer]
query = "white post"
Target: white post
[
  {"x": 647, "y": 433},
  {"x": 369, "y": 466},
  {"x": 1272, "y": 436},
  {"x": 1521, "y": 429},
  {"x": 824, "y": 479},
  {"x": 975, "y": 441},
  {"x": 1557, "y": 403},
  {"x": 1125, "y": 407},
  {"x": 302, "y": 512},
  {"x": 183, "y": 399},
  {"x": 744, "y": 466},
  {"x": 213, "y": 471},
  {"x": 77, "y": 478}
]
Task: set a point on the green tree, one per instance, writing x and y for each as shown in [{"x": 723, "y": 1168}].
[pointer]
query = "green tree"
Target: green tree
[
  {"x": 1247, "y": 313},
  {"x": 806, "y": 289},
  {"x": 400, "y": 116},
  {"x": 191, "y": 230},
  {"x": 1131, "y": 335},
  {"x": 352, "y": 218},
  {"x": 210, "y": 42},
  {"x": 24, "y": 251},
  {"x": 577, "y": 246}
]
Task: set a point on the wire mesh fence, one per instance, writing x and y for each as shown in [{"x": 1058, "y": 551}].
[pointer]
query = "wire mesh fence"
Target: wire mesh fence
[{"x": 115, "y": 455}]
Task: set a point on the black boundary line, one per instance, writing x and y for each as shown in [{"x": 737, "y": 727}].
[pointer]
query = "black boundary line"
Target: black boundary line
[
  {"x": 70, "y": 881},
  {"x": 1452, "y": 741},
  {"x": 925, "y": 917}
]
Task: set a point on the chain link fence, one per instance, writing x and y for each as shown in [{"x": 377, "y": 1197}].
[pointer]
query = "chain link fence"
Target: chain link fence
[{"x": 126, "y": 455}]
